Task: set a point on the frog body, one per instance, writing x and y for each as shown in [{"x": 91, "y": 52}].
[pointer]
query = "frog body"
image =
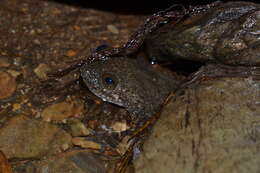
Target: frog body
[{"x": 126, "y": 82}]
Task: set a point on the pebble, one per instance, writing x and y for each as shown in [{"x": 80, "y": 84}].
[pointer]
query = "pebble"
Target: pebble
[
  {"x": 61, "y": 111},
  {"x": 16, "y": 107},
  {"x": 7, "y": 85},
  {"x": 71, "y": 53},
  {"x": 14, "y": 73},
  {"x": 113, "y": 29},
  {"x": 83, "y": 143},
  {"x": 41, "y": 71},
  {"x": 78, "y": 128},
  {"x": 120, "y": 126}
]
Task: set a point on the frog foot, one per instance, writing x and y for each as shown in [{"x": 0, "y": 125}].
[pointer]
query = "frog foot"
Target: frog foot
[{"x": 137, "y": 138}]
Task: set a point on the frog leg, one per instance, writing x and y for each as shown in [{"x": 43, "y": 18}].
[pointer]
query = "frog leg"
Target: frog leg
[
  {"x": 173, "y": 14},
  {"x": 137, "y": 138},
  {"x": 62, "y": 72},
  {"x": 96, "y": 55},
  {"x": 152, "y": 23},
  {"x": 126, "y": 159}
]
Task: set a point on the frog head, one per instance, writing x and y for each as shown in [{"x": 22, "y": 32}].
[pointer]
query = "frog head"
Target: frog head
[{"x": 126, "y": 83}]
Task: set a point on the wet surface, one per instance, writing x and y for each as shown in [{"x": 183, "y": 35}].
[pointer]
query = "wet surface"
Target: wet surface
[
  {"x": 227, "y": 34},
  {"x": 8, "y": 85},
  {"x": 40, "y": 118},
  {"x": 67, "y": 125},
  {"x": 211, "y": 123}
]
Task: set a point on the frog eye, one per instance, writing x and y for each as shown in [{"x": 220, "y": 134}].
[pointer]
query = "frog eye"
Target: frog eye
[{"x": 109, "y": 81}]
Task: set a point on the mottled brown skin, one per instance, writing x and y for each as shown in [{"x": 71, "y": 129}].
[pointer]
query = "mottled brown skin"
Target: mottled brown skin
[{"x": 126, "y": 82}]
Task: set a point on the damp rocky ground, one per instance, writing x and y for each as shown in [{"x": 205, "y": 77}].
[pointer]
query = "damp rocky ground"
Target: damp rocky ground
[
  {"x": 204, "y": 126},
  {"x": 56, "y": 126}
]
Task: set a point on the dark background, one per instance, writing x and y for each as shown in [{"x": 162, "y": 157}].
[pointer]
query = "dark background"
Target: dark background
[{"x": 132, "y": 6}]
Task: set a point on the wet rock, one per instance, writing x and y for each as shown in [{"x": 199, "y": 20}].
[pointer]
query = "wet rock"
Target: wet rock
[
  {"x": 41, "y": 71},
  {"x": 71, "y": 53},
  {"x": 61, "y": 111},
  {"x": 7, "y": 85},
  {"x": 14, "y": 73},
  {"x": 84, "y": 143},
  {"x": 210, "y": 127},
  {"x": 120, "y": 126},
  {"x": 57, "y": 34},
  {"x": 228, "y": 33},
  {"x": 78, "y": 128},
  {"x": 113, "y": 29},
  {"x": 26, "y": 138},
  {"x": 16, "y": 107},
  {"x": 74, "y": 161}
]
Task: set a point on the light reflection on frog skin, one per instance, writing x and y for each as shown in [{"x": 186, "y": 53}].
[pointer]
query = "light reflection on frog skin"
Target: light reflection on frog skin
[{"x": 126, "y": 82}]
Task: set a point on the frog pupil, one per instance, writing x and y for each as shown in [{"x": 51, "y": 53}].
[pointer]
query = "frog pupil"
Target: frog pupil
[{"x": 109, "y": 80}]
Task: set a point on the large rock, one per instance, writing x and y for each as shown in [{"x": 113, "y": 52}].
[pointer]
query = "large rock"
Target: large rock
[
  {"x": 227, "y": 33},
  {"x": 211, "y": 127}
]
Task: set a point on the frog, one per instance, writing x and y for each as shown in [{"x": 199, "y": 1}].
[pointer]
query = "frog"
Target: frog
[
  {"x": 136, "y": 86},
  {"x": 116, "y": 77}
]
